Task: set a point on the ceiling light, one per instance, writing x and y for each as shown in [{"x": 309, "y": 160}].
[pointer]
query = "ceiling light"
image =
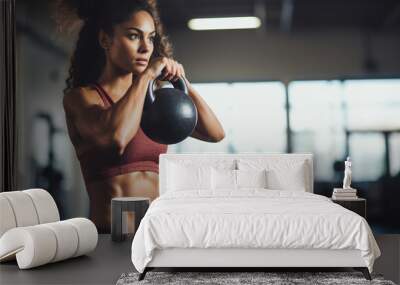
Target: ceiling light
[{"x": 226, "y": 23}]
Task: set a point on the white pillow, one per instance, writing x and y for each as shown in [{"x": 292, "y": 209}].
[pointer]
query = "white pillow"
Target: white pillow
[
  {"x": 185, "y": 177},
  {"x": 223, "y": 179},
  {"x": 228, "y": 179},
  {"x": 293, "y": 180},
  {"x": 193, "y": 174},
  {"x": 251, "y": 178},
  {"x": 282, "y": 174}
]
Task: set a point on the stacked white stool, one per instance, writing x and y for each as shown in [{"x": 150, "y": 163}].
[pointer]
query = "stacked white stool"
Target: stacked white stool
[{"x": 31, "y": 230}]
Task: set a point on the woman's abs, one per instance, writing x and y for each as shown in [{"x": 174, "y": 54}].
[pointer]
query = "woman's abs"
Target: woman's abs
[{"x": 133, "y": 184}]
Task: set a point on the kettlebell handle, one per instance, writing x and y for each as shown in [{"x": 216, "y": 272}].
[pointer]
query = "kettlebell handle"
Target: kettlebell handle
[{"x": 179, "y": 84}]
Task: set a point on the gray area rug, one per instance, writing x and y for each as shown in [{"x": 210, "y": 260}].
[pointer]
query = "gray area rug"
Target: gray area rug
[{"x": 229, "y": 278}]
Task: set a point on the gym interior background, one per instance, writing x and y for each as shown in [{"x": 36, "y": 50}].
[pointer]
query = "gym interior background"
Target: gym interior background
[{"x": 317, "y": 76}]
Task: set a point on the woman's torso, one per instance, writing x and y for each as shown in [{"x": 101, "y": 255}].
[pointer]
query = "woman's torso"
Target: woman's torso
[{"x": 121, "y": 176}]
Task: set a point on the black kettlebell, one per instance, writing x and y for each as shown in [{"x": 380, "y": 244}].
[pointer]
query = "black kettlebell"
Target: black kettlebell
[{"x": 169, "y": 114}]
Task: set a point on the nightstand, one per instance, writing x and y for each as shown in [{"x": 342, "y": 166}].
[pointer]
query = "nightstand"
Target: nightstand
[
  {"x": 121, "y": 210},
  {"x": 357, "y": 205}
]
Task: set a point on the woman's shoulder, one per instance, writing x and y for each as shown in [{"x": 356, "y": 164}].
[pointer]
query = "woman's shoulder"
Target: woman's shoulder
[{"x": 81, "y": 96}]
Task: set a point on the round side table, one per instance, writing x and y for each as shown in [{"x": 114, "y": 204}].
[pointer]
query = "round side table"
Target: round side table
[{"x": 121, "y": 207}]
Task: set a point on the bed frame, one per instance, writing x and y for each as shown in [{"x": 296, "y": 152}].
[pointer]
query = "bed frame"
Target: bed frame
[
  {"x": 242, "y": 258},
  {"x": 256, "y": 258}
]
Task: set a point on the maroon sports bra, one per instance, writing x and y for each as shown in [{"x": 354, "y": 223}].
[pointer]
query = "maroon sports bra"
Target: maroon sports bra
[{"x": 140, "y": 154}]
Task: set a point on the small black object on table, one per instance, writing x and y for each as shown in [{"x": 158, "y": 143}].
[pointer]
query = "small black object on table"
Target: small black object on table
[{"x": 120, "y": 207}]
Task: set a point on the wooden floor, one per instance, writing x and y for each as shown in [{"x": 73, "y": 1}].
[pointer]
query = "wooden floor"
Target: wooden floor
[{"x": 110, "y": 259}]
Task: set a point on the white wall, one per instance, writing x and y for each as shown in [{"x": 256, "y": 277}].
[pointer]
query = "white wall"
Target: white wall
[{"x": 206, "y": 56}]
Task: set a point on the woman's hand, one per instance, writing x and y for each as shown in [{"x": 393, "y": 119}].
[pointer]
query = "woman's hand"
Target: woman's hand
[
  {"x": 155, "y": 67},
  {"x": 168, "y": 69},
  {"x": 173, "y": 71}
]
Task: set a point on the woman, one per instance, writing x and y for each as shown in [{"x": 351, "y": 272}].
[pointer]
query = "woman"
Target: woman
[{"x": 121, "y": 47}]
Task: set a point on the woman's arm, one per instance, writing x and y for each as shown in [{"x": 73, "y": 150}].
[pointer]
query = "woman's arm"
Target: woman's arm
[
  {"x": 113, "y": 127},
  {"x": 208, "y": 127},
  {"x": 117, "y": 125}
]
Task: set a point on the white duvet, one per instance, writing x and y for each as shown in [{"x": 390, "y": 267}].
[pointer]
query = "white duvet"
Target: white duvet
[{"x": 251, "y": 218}]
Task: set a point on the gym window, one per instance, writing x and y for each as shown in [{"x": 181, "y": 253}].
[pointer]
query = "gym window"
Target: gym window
[
  {"x": 333, "y": 118},
  {"x": 330, "y": 118},
  {"x": 252, "y": 114}
]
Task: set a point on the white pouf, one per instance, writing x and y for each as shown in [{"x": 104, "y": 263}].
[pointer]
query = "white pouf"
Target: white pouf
[
  {"x": 7, "y": 219},
  {"x": 31, "y": 232}
]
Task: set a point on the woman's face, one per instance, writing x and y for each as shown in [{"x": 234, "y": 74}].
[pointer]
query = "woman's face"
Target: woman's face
[{"x": 133, "y": 43}]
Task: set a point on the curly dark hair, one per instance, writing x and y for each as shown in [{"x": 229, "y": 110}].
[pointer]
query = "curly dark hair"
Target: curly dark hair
[{"x": 88, "y": 58}]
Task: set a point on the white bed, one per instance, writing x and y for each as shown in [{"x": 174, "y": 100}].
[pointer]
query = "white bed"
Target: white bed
[{"x": 198, "y": 223}]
